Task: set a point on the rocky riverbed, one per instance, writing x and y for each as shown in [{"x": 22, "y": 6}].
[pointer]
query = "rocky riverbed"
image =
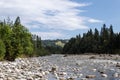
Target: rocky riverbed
[{"x": 62, "y": 67}]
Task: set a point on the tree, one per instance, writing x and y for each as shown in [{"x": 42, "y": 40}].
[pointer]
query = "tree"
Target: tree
[
  {"x": 17, "y": 39},
  {"x": 22, "y": 39},
  {"x": 6, "y": 33},
  {"x": 111, "y": 39},
  {"x": 96, "y": 41},
  {"x": 2, "y": 50},
  {"x": 104, "y": 39}
]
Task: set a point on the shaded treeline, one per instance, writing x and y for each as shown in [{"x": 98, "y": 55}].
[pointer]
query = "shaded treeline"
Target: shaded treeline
[{"x": 103, "y": 41}]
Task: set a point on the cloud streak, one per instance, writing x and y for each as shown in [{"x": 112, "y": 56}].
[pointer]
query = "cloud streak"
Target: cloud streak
[
  {"x": 95, "y": 21},
  {"x": 48, "y": 35}
]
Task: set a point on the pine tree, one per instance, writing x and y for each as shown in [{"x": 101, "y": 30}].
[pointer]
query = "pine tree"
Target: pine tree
[
  {"x": 111, "y": 40},
  {"x": 23, "y": 39},
  {"x": 96, "y": 41}
]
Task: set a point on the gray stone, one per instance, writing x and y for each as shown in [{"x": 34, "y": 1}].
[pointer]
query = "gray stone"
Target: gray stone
[
  {"x": 90, "y": 76},
  {"x": 118, "y": 65},
  {"x": 104, "y": 75}
]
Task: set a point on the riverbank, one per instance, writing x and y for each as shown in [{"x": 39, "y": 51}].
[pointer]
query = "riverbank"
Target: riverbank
[{"x": 62, "y": 67}]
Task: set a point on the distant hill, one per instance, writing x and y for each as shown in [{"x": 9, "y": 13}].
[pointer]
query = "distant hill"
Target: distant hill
[
  {"x": 54, "y": 46},
  {"x": 54, "y": 43}
]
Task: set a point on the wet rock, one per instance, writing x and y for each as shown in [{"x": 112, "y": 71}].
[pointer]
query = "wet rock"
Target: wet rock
[
  {"x": 53, "y": 69},
  {"x": 9, "y": 78},
  {"x": 94, "y": 70},
  {"x": 38, "y": 76},
  {"x": 118, "y": 65},
  {"x": 101, "y": 71},
  {"x": 104, "y": 75},
  {"x": 55, "y": 75},
  {"x": 84, "y": 79},
  {"x": 70, "y": 78},
  {"x": 43, "y": 73},
  {"x": 116, "y": 75},
  {"x": 2, "y": 75},
  {"x": 92, "y": 57},
  {"x": 46, "y": 72},
  {"x": 90, "y": 76},
  {"x": 62, "y": 73},
  {"x": 77, "y": 64},
  {"x": 79, "y": 75},
  {"x": 65, "y": 55},
  {"x": 62, "y": 79},
  {"x": 29, "y": 78}
]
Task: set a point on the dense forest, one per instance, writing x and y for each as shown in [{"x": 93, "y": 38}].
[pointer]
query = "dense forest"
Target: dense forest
[{"x": 103, "y": 41}]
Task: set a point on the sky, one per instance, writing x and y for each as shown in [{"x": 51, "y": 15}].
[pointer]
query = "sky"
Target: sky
[{"x": 62, "y": 19}]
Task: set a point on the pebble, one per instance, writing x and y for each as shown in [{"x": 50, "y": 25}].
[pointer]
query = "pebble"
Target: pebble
[
  {"x": 101, "y": 71},
  {"x": 30, "y": 78},
  {"x": 70, "y": 78},
  {"x": 118, "y": 65},
  {"x": 90, "y": 76},
  {"x": 56, "y": 75},
  {"x": 94, "y": 70},
  {"x": 84, "y": 79},
  {"x": 116, "y": 75},
  {"x": 9, "y": 78},
  {"x": 92, "y": 57},
  {"x": 80, "y": 75},
  {"x": 53, "y": 69},
  {"x": 62, "y": 73},
  {"x": 61, "y": 78},
  {"x": 46, "y": 72},
  {"x": 104, "y": 75}
]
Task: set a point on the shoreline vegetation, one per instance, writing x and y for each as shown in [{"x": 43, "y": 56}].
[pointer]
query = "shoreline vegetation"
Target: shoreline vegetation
[{"x": 16, "y": 41}]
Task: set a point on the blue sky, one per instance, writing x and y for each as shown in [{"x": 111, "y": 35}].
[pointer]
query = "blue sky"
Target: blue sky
[{"x": 62, "y": 19}]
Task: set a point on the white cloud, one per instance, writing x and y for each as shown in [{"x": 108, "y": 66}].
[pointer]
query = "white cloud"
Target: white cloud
[
  {"x": 48, "y": 35},
  {"x": 95, "y": 21},
  {"x": 50, "y": 14},
  {"x": 57, "y": 14}
]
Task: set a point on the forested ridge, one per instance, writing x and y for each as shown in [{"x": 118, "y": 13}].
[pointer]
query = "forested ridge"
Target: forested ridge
[{"x": 103, "y": 41}]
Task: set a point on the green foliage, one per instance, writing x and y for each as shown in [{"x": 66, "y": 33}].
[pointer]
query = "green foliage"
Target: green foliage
[
  {"x": 39, "y": 50},
  {"x": 2, "y": 50},
  {"x": 54, "y": 46},
  {"x": 17, "y": 40},
  {"x": 105, "y": 41},
  {"x": 59, "y": 43}
]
